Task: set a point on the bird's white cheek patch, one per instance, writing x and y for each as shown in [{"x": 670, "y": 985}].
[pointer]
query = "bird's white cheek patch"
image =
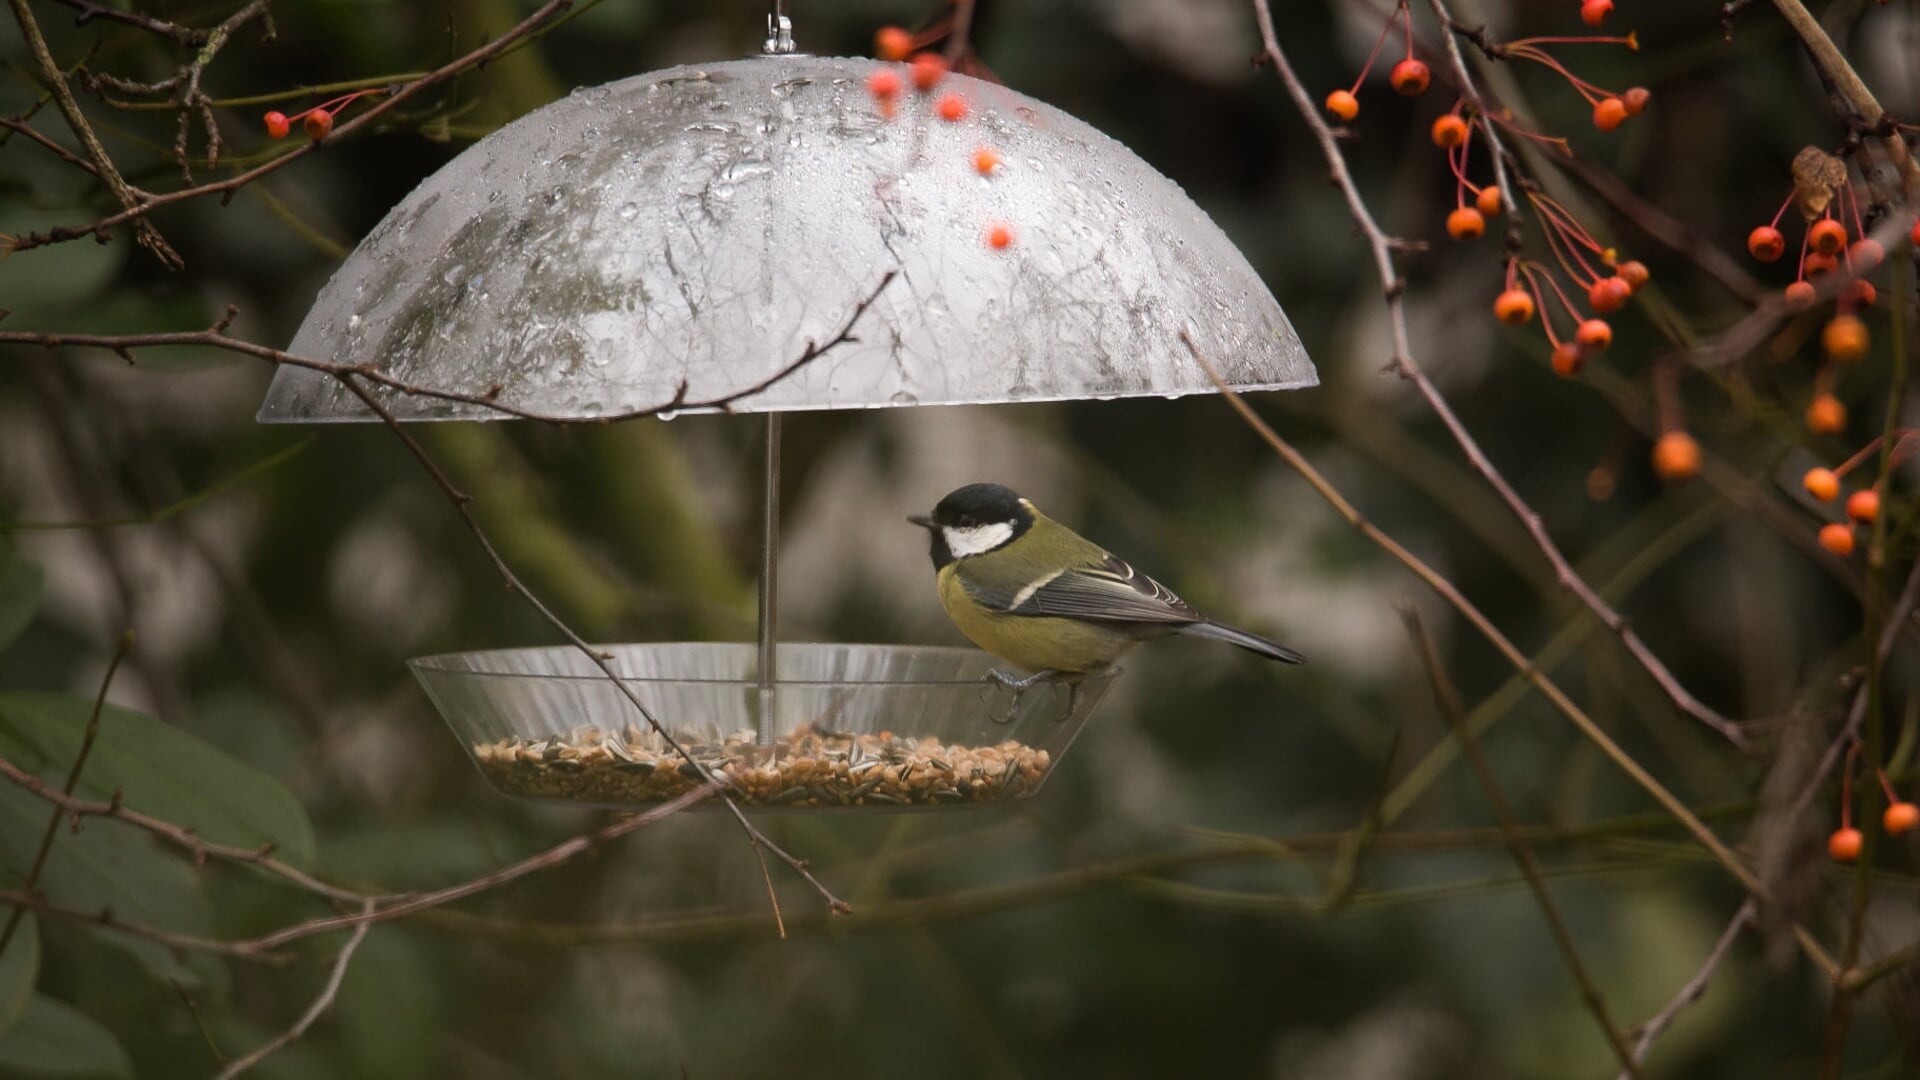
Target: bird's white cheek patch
[{"x": 977, "y": 539}]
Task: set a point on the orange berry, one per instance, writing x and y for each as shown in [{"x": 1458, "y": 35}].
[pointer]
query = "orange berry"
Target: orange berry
[
  {"x": 277, "y": 124},
  {"x": 999, "y": 236},
  {"x": 1449, "y": 131},
  {"x": 1845, "y": 339},
  {"x": 1915, "y": 234},
  {"x": 1822, "y": 484},
  {"x": 1766, "y": 244},
  {"x": 1465, "y": 223},
  {"x": 1594, "y": 335},
  {"x": 1343, "y": 104},
  {"x": 1859, "y": 293},
  {"x": 883, "y": 83},
  {"x": 1844, "y": 845},
  {"x": 1514, "y": 307},
  {"x": 1409, "y": 77},
  {"x": 1863, "y": 506},
  {"x": 1900, "y": 817},
  {"x": 1568, "y": 359},
  {"x": 1634, "y": 273},
  {"x": 928, "y": 69},
  {"x": 1595, "y": 12},
  {"x": 1488, "y": 201},
  {"x": 892, "y": 43},
  {"x": 951, "y": 107},
  {"x": 319, "y": 124},
  {"x": 1676, "y": 456},
  {"x": 1610, "y": 113},
  {"x": 1799, "y": 295},
  {"x": 1817, "y": 264},
  {"x": 1837, "y": 539},
  {"x": 986, "y": 160},
  {"x": 1866, "y": 255},
  {"x": 1608, "y": 295},
  {"x": 1826, "y": 416},
  {"x": 1635, "y": 99},
  {"x": 1827, "y": 236}
]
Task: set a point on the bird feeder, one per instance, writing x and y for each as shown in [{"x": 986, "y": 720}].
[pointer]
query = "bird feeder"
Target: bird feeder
[{"x": 685, "y": 235}]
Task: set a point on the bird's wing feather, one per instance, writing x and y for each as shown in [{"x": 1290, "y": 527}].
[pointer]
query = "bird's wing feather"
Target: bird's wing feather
[{"x": 1106, "y": 591}]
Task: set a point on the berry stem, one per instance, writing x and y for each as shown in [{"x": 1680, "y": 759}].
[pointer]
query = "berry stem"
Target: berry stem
[{"x": 1385, "y": 29}]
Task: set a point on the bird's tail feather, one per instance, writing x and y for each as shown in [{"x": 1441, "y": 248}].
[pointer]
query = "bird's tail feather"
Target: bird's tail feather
[{"x": 1253, "y": 643}]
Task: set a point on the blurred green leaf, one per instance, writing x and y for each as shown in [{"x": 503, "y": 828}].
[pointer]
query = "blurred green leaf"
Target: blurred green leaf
[
  {"x": 21, "y": 583},
  {"x": 19, "y": 970},
  {"x": 55, "y": 1039},
  {"x": 112, "y": 866},
  {"x": 159, "y": 769},
  {"x": 59, "y": 278}
]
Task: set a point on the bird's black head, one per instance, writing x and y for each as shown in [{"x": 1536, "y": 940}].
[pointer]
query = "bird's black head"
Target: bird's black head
[{"x": 974, "y": 520}]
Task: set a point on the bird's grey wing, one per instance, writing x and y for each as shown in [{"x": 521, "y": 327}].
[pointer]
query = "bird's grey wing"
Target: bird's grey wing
[{"x": 1107, "y": 591}]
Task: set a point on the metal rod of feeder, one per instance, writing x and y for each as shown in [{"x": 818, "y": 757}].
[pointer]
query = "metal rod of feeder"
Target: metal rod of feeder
[{"x": 769, "y": 579}]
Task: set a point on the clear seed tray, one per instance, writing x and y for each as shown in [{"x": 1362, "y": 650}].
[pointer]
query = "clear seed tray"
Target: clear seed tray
[{"x": 845, "y": 725}]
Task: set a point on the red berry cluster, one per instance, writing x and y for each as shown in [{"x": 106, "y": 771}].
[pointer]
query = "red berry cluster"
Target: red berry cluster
[
  {"x": 1863, "y": 506},
  {"x": 1845, "y": 843},
  {"x": 925, "y": 71},
  {"x": 318, "y": 120}
]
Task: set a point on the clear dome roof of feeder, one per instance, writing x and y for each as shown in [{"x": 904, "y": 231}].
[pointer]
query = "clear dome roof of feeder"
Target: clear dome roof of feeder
[{"x": 701, "y": 225}]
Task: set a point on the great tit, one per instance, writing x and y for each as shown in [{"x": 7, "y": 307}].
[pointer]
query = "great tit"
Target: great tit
[{"x": 1040, "y": 596}]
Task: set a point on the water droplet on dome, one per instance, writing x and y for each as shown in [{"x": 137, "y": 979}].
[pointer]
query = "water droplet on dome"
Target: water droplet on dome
[
  {"x": 901, "y": 397},
  {"x": 629, "y": 211}
]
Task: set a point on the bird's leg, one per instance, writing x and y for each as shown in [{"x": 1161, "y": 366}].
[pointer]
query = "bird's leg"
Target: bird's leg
[
  {"x": 1020, "y": 687},
  {"x": 1017, "y": 685}
]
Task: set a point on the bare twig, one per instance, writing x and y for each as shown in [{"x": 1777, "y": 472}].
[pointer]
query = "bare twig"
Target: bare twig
[
  {"x": 21, "y": 899},
  {"x": 216, "y": 337},
  {"x": 320, "y": 1004},
  {"x": 132, "y": 201},
  {"x": 89, "y": 11},
  {"x": 1846, "y": 81},
  {"x": 1691, "y": 991},
  {"x": 137, "y": 210},
  {"x": 59, "y": 151},
  {"x": 1403, "y": 360},
  {"x": 73, "y": 777},
  {"x": 375, "y": 909},
  {"x": 1547, "y": 687},
  {"x": 1451, "y": 707},
  {"x": 179, "y": 836}
]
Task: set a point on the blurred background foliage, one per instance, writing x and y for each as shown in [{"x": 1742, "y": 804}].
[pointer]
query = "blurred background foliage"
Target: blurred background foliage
[{"x": 1240, "y": 871}]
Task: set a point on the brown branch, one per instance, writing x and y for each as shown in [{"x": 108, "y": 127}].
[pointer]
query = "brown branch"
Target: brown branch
[
  {"x": 59, "y": 151},
  {"x": 179, "y": 836},
  {"x": 375, "y": 909},
  {"x": 21, "y": 899},
  {"x": 73, "y": 777},
  {"x": 1455, "y": 712},
  {"x": 56, "y": 84},
  {"x": 1403, "y": 361},
  {"x": 1691, "y": 991},
  {"x": 138, "y": 211},
  {"x": 215, "y": 337},
  {"x": 1526, "y": 667},
  {"x": 89, "y": 11},
  {"x": 320, "y": 1004},
  {"x": 1847, "y": 83}
]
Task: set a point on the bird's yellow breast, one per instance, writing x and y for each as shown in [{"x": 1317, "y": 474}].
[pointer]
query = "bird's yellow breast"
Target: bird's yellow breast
[{"x": 1068, "y": 646}]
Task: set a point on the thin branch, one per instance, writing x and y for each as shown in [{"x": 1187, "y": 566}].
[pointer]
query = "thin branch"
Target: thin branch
[
  {"x": 20, "y": 899},
  {"x": 1846, "y": 81},
  {"x": 1451, "y": 707},
  {"x": 1691, "y": 991},
  {"x": 376, "y": 909},
  {"x": 320, "y": 1004},
  {"x": 1403, "y": 360},
  {"x": 59, "y": 151},
  {"x": 1546, "y": 686},
  {"x": 73, "y": 777},
  {"x": 136, "y": 211},
  {"x": 185, "y": 35},
  {"x": 56, "y": 84},
  {"x": 179, "y": 836},
  {"x": 216, "y": 337}
]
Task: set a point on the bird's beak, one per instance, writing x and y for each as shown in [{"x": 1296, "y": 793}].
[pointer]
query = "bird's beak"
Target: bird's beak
[{"x": 923, "y": 520}]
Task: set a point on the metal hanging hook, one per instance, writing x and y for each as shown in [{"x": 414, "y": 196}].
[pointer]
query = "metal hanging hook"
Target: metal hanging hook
[{"x": 779, "y": 31}]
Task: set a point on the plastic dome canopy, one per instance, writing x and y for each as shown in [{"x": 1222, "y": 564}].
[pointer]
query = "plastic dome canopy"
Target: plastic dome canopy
[{"x": 702, "y": 224}]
